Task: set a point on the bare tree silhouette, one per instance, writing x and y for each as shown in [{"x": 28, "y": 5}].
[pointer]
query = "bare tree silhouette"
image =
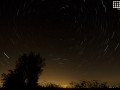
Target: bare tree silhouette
[{"x": 28, "y": 69}]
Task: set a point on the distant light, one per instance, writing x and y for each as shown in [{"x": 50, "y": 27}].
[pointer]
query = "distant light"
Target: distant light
[{"x": 64, "y": 86}]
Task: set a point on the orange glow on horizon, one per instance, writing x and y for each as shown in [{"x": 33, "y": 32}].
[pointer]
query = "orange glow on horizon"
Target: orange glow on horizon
[{"x": 64, "y": 86}]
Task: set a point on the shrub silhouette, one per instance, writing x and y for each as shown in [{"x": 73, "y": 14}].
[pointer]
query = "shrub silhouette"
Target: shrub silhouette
[
  {"x": 26, "y": 73},
  {"x": 87, "y": 84},
  {"x": 13, "y": 79},
  {"x": 51, "y": 85}
]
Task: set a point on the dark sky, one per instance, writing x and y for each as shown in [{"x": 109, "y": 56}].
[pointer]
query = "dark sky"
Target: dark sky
[{"x": 78, "y": 38}]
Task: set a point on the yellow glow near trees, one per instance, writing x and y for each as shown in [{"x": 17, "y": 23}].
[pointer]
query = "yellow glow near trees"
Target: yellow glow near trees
[{"x": 64, "y": 86}]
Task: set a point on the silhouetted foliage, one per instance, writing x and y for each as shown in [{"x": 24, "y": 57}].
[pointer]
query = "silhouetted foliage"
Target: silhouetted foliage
[
  {"x": 13, "y": 80},
  {"x": 87, "y": 84},
  {"x": 26, "y": 73},
  {"x": 29, "y": 68},
  {"x": 53, "y": 86}
]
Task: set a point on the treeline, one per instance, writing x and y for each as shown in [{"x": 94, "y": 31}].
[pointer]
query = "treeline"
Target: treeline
[{"x": 27, "y": 70}]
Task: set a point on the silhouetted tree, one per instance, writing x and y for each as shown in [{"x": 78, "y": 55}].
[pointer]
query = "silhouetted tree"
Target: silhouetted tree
[
  {"x": 13, "y": 80},
  {"x": 27, "y": 71},
  {"x": 104, "y": 85}
]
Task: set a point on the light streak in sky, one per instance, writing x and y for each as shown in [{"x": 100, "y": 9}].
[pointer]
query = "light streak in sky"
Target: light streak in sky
[
  {"x": 116, "y": 46},
  {"x": 103, "y": 5},
  {"x": 6, "y": 55}
]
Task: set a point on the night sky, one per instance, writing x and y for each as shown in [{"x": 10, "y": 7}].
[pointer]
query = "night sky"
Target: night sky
[{"x": 78, "y": 38}]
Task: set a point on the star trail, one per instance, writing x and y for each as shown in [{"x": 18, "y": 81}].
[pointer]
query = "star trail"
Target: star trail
[{"x": 78, "y": 38}]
